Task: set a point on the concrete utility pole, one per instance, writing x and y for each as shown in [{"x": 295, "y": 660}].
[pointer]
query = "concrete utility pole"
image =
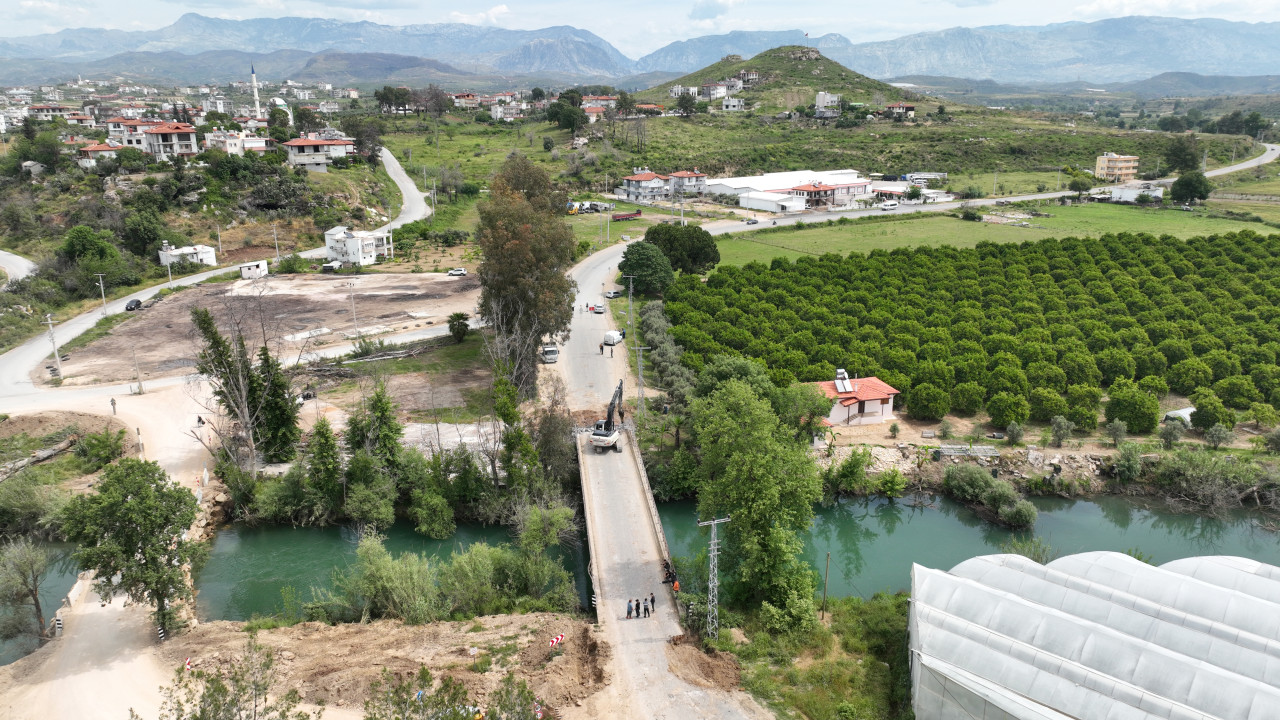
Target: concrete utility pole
[
  {"x": 137, "y": 371},
  {"x": 352, "y": 288},
  {"x": 631, "y": 285},
  {"x": 219, "y": 241},
  {"x": 277, "y": 241},
  {"x": 713, "y": 579},
  {"x": 169, "y": 267},
  {"x": 57, "y": 359},
  {"x": 102, "y": 290}
]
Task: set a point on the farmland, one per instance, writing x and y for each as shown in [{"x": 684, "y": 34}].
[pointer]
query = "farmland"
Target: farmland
[
  {"x": 1001, "y": 324},
  {"x": 936, "y": 229}
]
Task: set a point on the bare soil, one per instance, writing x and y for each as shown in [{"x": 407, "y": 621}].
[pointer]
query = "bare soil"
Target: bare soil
[
  {"x": 334, "y": 665},
  {"x": 43, "y": 423},
  {"x": 161, "y": 334}
]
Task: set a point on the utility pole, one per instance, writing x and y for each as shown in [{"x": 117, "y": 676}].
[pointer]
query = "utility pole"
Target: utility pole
[
  {"x": 169, "y": 267},
  {"x": 102, "y": 290},
  {"x": 640, "y": 383},
  {"x": 277, "y": 241},
  {"x": 57, "y": 359},
  {"x": 352, "y": 287},
  {"x": 631, "y": 284},
  {"x": 219, "y": 241},
  {"x": 1204, "y": 163},
  {"x": 137, "y": 370},
  {"x": 713, "y": 579}
]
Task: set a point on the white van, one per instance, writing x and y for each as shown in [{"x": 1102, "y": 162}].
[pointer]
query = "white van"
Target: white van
[
  {"x": 550, "y": 353},
  {"x": 613, "y": 337},
  {"x": 889, "y": 205}
]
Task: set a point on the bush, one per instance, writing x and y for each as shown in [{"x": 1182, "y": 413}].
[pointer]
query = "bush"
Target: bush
[
  {"x": 1005, "y": 408},
  {"x": 1116, "y": 430},
  {"x": 1237, "y": 391},
  {"x": 966, "y": 483},
  {"x": 1155, "y": 385},
  {"x": 1217, "y": 436},
  {"x": 1061, "y": 429},
  {"x": 99, "y": 449},
  {"x": 291, "y": 264},
  {"x": 999, "y": 494},
  {"x": 1128, "y": 463},
  {"x": 1013, "y": 433},
  {"x": 1186, "y": 376},
  {"x": 1171, "y": 432},
  {"x": 967, "y": 398},
  {"x": 1272, "y": 441},
  {"x": 1022, "y": 514}
]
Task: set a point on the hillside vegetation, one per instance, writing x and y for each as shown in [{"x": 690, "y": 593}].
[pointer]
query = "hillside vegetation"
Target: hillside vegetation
[{"x": 789, "y": 76}]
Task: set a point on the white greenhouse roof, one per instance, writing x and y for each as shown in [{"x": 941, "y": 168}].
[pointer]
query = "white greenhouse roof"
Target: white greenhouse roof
[{"x": 1096, "y": 635}]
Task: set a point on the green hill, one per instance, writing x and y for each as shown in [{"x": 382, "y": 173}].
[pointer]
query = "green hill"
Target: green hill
[{"x": 789, "y": 76}]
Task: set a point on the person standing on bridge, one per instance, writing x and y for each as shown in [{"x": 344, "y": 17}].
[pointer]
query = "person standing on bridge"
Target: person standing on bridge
[
  {"x": 628, "y": 609},
  {"x": 646, "y": 608},
  {"x": 602, "y": 348},
  {"x": 653, "y": 602}
]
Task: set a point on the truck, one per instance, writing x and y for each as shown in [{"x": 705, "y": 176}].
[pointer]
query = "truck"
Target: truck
[
  {"x": 605, "y": 435},
  {"x": 625, "y": 216},
  {"x": 549, "y": 354}
]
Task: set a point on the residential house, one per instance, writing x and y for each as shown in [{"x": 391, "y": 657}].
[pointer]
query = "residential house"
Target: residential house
[
  {"x": 858, "y": 401},
  {"x": 846, "y": 186},
  {"x": 315, "y": 153},
  {"x": 328, "y": 107},
  {"x": 1131, "y": 194},
  {"x": 900, "y": 110},
  {"x": 677, "y": 90},
  {"x": 650, "y": 108},
  {"x": 304, "y": 94},
  {"x": 733, "y": 85},
  {"x": 644, "y": 185},
  {"x": 82, "y": 120},
  {"x": 732, "y": 104},
  {"x": 467, "y": 101},
  {"x": 132, "y": 111},
  {"x": 714, "y": 90},
  {"x": 816, "y": 195},
  {"x": 90, "y": 154},
  {"x": 684, "y": 182},
  {"x": 217, "y": 103},
  {"x": 344, "y": 93},
  {"x": 357, "y": 247},
  {"x": 603, "y": 101},
  {"x": 827, "y": 105},
  {"x": 594, "y": 113},
  {"x": 507, "y": 112},
  {"x": 1116, "y": 168},
  {"x": 202, "y": 254},
  {"x": 748, "y": 76},
  {"x": 49, "y": 112},
  {"x": 236, "y": 142},
  {"x": 168, "y": 140}
]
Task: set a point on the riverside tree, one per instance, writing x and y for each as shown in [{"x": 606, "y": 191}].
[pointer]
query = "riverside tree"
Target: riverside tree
[
  {"x": 130, "y": 534},
  {"x": 23, "y": 567},
  {"x": 525, "y": 294}
]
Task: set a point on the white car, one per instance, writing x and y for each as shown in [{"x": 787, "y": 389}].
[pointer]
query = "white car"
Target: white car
[
  {"x": 613, "y": 294},
  {"x": 598, "y": 308},
  {"x": 458, "y": 272}
]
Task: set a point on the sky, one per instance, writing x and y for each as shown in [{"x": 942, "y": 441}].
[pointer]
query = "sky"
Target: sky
[{"x": 635, "y": 28}]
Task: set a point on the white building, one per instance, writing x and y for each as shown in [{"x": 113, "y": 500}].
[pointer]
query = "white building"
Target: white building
[
  {"x": 1130, "y": 194},
  {"x": 644, "y": 185},
  {"x": 858, "y": 401},
  {"x": 236, "y": 142},
  {"x": 1095, "y": 635},
  {"x": 315, "y": 153},
  {"x": 677, "y": 90},
  {"x": 357, "y": 247},
  {"x": 714, "y": 90},
  {"x": 685, "y": 182},
  {"x": 254, "y": 270},
  {"x": 168, "y": 140},
  {"x": 732, "y": 104},
  {"x": 202, "y": 254},
  {"x": 846, "y": 186},
  {"x": 771, "y": 202},
  {"x": 827, "y": 100}
]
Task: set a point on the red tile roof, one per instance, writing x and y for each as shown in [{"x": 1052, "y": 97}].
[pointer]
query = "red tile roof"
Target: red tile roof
[
  {"x": 686, "y": 173},
  {"x": 100, "y": 147},
  {"x": 645, "y": 177},
  {"x": 172, "y": 127},
  {"x": 814, "y": 187},
  {"x": 867, "y": 388}
]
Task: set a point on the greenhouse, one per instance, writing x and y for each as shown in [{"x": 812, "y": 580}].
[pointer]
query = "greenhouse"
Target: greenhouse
[{"x": 1096, "y": 635}]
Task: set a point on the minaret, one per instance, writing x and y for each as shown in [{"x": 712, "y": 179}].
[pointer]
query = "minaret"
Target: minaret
[{"x": 253, "y": 77}]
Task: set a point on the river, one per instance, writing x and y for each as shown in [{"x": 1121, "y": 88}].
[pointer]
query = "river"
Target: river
[
  {"x": 53, "y": 589},
  {"x": 249, "y": 566},
  {"x": 874, "y": 541}
]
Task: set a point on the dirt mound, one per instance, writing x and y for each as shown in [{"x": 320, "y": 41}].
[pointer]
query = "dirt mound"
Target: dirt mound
[
  {"x": 42, "y": 423},
  {"x": 336, "y": 664},
  {"x": 708, "y": 670}
]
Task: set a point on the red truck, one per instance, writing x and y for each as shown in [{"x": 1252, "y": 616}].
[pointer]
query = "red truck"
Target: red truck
[{"x": 625, "y": 216}]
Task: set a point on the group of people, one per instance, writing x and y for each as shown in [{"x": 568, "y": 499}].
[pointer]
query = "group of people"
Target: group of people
[
  {"x": 647, "y": 605},
  {"x": 669, "y": 576}
]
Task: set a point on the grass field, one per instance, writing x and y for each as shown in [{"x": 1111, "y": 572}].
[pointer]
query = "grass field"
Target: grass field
[
  {"x": 939, "y": 229},
  {"x": 1263, "y": 180}
]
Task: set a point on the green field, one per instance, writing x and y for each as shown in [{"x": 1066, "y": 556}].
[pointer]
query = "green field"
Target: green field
[
  {"x": 938, "y": 229},
  {"x": 1263, "y": 180}
]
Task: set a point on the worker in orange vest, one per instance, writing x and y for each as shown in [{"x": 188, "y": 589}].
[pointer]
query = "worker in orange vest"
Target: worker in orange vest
[{"x": 676, "y": 586}]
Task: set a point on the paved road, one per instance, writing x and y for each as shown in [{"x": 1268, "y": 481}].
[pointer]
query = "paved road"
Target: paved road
[
  {"x": 624, "y": 543},
  {"x": 1272, "y": 152},
  {"x": 101, "y": 667},
  {"x": 16, "y": 266}
]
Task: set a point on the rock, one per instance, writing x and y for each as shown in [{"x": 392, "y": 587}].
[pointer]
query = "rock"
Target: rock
[
  {"x": 220, "y": 498},
  {"x": 286, "y": 655}
]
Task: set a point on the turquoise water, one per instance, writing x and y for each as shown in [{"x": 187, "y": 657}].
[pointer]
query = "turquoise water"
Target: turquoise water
[
  {"x": 248, "y": 566},
  {"x": 874, "y": 541},
  {"x": 57, "y": 583}
]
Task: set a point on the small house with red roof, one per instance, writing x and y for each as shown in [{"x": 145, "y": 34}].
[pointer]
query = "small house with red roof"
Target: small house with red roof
[
  {"x": 684, "y": 182},
  {"x": 900, "y": 110},
  {"x": 816, "y": 195},
  {"x": 858, "y": 401},
  {"x": 91, "y": 154},
  {"x": 594, "y": 112}
]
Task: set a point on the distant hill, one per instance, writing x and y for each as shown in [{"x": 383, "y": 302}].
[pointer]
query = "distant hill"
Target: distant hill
[
  {"x": 1183, "y": 84},
  {"x": 687, "y": 55},
  {"x": 789, "y": 76}
]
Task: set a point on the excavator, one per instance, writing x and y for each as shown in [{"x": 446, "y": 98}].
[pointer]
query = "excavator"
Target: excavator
[{"x": 605, "y": 434}]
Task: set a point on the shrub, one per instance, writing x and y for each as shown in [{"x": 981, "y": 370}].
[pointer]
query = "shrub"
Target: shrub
[
  {"x": 893, "y": 430},
  {"x": 1186, "y": 376},
  {"x": 99, "y": 449},
  {"x": 966, "y": 398},
  {"x": 1128, "y": 463},
  {"x": 1116, "y": 430},
  {"x": 1005, "y": 408},
  {"x": 944, "y": 429},
  {"x": 1022, "y": 514},
  {"x": 1272, "y": 441},
  {"x": 1034, "y": 548},
  {"x": 891, "y": 483},
  {"x": 1082, "y": 406},
  {"x": 1171, "y": 432},
  {"x": 1013, "y": 433},
  {"x": 966, "y": 483},
  {"x": 999, "y": 494},
  {"x": 928, "y": 402},
  {"x": 1237, "y": 391},
  {"x": 1217, "y": 436}
]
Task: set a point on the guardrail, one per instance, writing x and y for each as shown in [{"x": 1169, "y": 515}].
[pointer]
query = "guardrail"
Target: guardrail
[
  {"x": 648, "y": 495},
  {"x": 586, "y": 503}
]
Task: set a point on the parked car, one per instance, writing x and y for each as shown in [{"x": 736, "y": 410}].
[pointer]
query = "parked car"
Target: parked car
[
  {"x": 133, "y": 304},
  {"x": 752, "y": 221},
  {"x": 458, "y": 272},
  {"x": 598, "y": 308},
  {"x": 613, "y": 294},
  {"x": 889, "y": 205},
  {"x": 612, "y": 337}
]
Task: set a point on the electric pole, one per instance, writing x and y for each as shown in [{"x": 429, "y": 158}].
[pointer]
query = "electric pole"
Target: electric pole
[
  {"x": 57, "y": 359},
  {"x": 169, "y": 266},
  {"x": 219, "y": 241},
  {"x": 277, "y": 241},
  {"x": 352, "y": 287},
  {"x": 713, "y": 579},
  {"x": 102, "y": 290}
]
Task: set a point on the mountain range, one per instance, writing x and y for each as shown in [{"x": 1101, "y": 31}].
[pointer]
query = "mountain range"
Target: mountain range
[{"x": 1106, "y": 51}]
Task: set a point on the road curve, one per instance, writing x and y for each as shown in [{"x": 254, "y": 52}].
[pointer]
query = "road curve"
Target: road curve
[{"x": 15, "y": 266}]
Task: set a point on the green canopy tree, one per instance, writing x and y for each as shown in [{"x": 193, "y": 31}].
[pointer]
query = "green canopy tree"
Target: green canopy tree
[
  {"x": 324, "y": 472},
  {"x": 651, "y": 268},
  {"x": 1190, "y": 187},
  {"x": 690, "y": 249},
  {"x": 23, "y": 567},
  {"x": 374, "y": 428},
  {"x": 130, "y": 534},
  {"x": 1182, "y": 155}
]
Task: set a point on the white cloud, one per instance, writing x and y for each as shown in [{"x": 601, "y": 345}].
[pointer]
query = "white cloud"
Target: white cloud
[
  {"x": 1248, "y": 10},
  {"x": 708, "y": 9},
  {"x": 488, "y": 17}
]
